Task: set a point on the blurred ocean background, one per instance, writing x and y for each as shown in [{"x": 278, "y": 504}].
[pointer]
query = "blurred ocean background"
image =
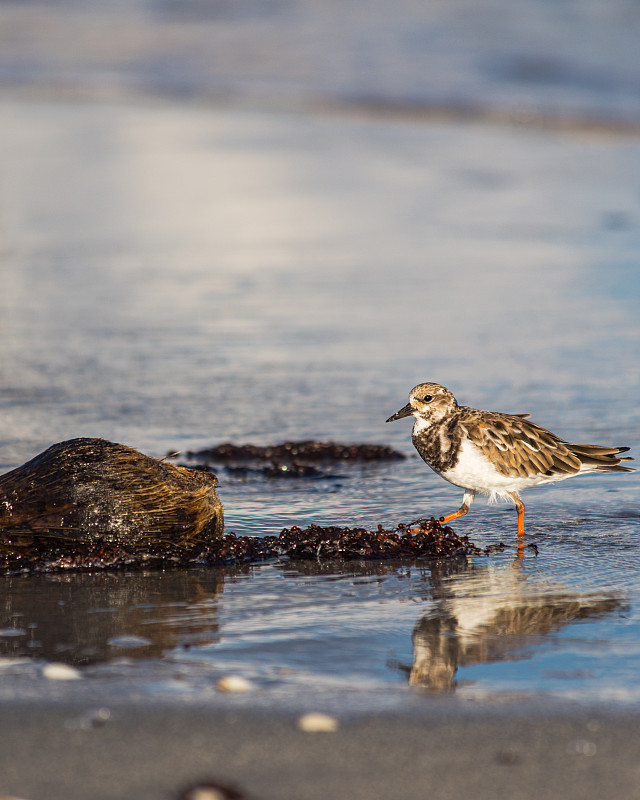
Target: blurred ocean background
[{"x": 520, "y": 60}]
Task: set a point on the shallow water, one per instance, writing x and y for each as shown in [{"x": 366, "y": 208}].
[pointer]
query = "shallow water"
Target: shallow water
[
  {"x": 344, "y": 638},
  {"x": 176, "y": 275}
]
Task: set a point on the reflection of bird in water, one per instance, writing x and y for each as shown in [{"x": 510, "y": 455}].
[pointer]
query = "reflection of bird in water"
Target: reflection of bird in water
[
  {"x": 492, "y": 616},
  {"x": 493, "y": 453}
]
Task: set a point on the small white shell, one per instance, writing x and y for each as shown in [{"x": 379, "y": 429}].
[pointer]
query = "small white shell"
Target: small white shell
[
  {"x": 234, "y": 683},
  {"x": 315, "y": 722},
  {"x": 203, "y": 793},
  {"x": 60, "y": 672}
]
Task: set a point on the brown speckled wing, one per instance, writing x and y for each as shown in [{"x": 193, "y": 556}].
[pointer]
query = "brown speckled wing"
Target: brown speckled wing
[{"x": 518, "y": 447}]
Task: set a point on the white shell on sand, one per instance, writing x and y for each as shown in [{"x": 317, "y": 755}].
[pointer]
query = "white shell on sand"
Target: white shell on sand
[
  {"x": 315, "y": 722},
  {"x": 234, "y": 683},
  {"x": 60, "y": 672},
  {"x": 204, "y": 793}
]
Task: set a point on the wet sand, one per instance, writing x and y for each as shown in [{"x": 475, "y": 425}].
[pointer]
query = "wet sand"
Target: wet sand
[{"x": 154, "y": 753}]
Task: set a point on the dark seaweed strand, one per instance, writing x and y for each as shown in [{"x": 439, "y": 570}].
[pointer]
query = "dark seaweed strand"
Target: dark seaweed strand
[
  {"x": 304, "y": 452},
  {"x": 428, "y": 540}
]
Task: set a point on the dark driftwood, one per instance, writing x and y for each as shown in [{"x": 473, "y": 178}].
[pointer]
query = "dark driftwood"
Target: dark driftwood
[{"x": 91, "y": 493}]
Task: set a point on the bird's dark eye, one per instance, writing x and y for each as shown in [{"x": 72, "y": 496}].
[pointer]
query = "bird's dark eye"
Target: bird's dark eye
[{"x": 427, "y": 398}]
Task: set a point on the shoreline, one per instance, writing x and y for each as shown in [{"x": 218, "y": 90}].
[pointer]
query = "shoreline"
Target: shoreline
[
  {"x": 365, "y": 108},
  {"x": 76, "y": 751}
]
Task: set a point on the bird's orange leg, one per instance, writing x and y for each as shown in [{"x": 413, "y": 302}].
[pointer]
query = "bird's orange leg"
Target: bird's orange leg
[
  {"x": 459, "y": 513},
  {"x": 520, "y": 510},
  {"x": 464, "y": 508}
]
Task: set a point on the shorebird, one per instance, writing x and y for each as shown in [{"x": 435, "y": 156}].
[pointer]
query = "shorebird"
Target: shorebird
[{"x": 494, "y": 453}]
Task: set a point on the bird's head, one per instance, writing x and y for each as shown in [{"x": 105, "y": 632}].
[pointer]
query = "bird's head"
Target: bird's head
[{"x": 428, "y": 402}]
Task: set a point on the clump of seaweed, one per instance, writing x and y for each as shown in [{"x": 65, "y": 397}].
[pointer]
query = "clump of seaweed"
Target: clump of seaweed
[
  {"x": 308, "y": 451},
  {"x": 276, "y": 470},
  {"x": 295, "y": 459},
  {"x": 427, "y": 539}
]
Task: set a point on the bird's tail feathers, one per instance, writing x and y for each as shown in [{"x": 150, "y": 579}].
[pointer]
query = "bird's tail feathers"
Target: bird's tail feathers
[{"x": 601, "y": 459}]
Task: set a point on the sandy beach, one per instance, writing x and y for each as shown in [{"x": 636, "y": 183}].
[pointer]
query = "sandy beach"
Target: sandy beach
[{"x": 529, "y": 753}]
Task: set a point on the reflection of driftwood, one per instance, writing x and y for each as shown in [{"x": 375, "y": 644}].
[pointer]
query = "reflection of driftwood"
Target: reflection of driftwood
[
  {"x": 86, "y": 618},
  {"x": 91, "y": 492}
]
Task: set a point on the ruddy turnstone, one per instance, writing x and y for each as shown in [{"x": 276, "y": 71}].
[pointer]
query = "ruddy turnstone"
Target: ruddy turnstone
[{"x": 493, "y": 453}]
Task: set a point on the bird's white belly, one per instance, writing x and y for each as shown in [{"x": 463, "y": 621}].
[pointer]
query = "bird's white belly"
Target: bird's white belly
[{"x": 475, "y": 471}]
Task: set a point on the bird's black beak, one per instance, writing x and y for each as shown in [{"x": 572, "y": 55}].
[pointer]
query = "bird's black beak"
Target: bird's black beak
[{"x": 407, "y": 411}]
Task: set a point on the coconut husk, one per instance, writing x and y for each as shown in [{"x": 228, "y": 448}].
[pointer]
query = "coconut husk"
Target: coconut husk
[{"x": 95, "y": 493}]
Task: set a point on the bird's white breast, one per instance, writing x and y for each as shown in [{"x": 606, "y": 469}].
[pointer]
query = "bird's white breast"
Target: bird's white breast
[{"x": 475, "y": 471}]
